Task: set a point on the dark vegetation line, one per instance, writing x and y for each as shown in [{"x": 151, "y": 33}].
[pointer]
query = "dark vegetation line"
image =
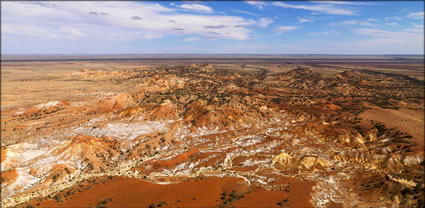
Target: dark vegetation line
[
  {"x": 375, "y": 72},
  {"x": 416, "y": 81}
]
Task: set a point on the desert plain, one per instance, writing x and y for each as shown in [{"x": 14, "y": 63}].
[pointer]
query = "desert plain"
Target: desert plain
[{"x": 242, "y": 131}]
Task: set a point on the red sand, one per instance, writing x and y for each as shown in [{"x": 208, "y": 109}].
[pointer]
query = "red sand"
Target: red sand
[{"x": 130, "y": 192}]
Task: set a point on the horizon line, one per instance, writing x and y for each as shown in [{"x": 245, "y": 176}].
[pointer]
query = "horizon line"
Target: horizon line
[{"x": 264, "y": 54}]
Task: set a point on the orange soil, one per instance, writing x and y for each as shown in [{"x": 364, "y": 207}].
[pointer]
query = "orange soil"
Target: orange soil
[
  {"x": 8, "y": 176},
  {"x": 178, "y": 159},
  {"x": 262, "y": 198},
  {"x": 298, "y": 195},
  {"x": 300, "y": 192},
  {"x": 164, "y": 111},
  {"x": 237, "y": 161},
  {"x": 212, "y": 161},
  {"x": 130, "y": 192},
  {"x": 409, "y": 121},
  {"x": 245, "y": 168},
  {"x": 3, "y": 154},
  {"x": 116, "y": 102}
]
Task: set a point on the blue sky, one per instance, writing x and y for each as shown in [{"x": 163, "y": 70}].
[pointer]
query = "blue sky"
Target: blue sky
[{"x": 250, "y": 27}]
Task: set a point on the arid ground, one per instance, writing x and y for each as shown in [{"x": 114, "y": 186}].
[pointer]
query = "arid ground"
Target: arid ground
[{"x": 229, "y": 132}]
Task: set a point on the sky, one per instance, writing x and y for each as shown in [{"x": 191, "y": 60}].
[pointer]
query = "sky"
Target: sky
[{"x": 208, "y": 27}]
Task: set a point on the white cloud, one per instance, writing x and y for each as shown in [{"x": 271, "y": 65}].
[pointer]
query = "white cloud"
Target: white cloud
[
  {"x": 392, "y": 23},
  {"x": 257, "y": 4},
  {"x": 416, "y": 15},
  {"x": 305, "y": 19},
  {"x": 371, "y": 19},
  {"x": 264, "y": 22},
  {"x": 244, "y": 12},
  {"x": 196, "y": 7},
  {"x": 378, "y": 41},
  {"x": 320, "y": 33},
  {"x": 419, "y": 26},
  {"x": 192, "y": 38},
  {"x": 283, "y": 29},
  {"x": 357, "y": 22},
  {"x": 394, "y": 18},
  {"x": 323, "y": 8},
  {"x": 413, "y": 15},
  {"x": 326, "y": 33},
  {"x": 72, "y": 31},
  {"x": 66, "y": 33},
  {"x": 342, "y": 3},
  {"x": 114, "y": 21},
  {"x": 400, "y": 35}
]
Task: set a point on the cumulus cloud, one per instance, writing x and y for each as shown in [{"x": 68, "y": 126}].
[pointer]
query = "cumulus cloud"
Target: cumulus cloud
[
  {"x": 318, "y": 7},
  {"x": 196, "y": 7},
  {"x": 115, "y": 21},
  {"x": 264, "y": 22},
  {"x": 283, "y": 29}
]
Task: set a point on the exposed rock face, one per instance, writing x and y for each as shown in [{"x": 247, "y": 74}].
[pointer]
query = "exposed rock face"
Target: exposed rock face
[
  {"x": 198, "y": 120},
  {"x": 283, "y": 159}
]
